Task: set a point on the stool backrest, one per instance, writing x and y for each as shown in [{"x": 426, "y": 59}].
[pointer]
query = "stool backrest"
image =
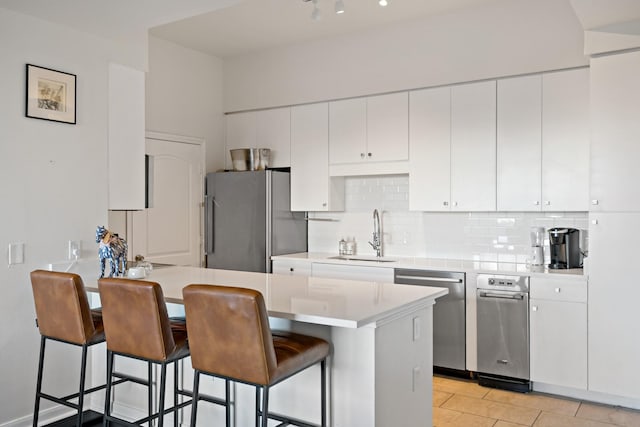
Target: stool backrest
[
  {"x": 229, "y": 333},
  {"x": 62, "y": 307},
  {"x": 135, "y": 318}
]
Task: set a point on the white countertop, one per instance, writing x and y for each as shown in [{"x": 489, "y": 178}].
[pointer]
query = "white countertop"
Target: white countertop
[
  {"x": 332, "y": 302},
  {"x": 467, "y": 266}
]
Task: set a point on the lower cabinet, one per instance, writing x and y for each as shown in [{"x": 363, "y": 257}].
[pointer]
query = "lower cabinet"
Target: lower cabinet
[
  {"x": 353, "y": 272},
  {"x": 291, "y": 267},
  {"x": 558, "y": 332}
]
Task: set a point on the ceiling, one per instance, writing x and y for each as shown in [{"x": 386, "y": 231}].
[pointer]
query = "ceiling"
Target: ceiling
[{"x": 253, "y": 25}]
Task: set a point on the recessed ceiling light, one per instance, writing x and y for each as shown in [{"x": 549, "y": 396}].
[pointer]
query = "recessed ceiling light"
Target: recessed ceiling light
[
  {"x": 339, "y": 7},
  {"x": 383, "y": 2}
]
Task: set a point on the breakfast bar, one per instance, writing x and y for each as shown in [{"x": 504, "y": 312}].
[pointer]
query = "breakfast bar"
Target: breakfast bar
[{"x": 381, "y": 336}]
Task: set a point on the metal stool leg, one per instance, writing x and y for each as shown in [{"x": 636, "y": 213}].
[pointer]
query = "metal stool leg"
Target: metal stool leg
[
  {"x": 265, "y": 406},
  {"x": 323, "y": 390},
  {"x": 257, "y": 406},
  {"x": 39, "y": 383},
  {"x": 227, "y": 406},
  {"x": 175, "y": 393},
  {"x": 194, "y": 401},
  {"x": 163, "y": 383},
  {"x": 107, "y": 396},
  {"x": 150, "y": 390},
  {"x": 83, "y": 371}
]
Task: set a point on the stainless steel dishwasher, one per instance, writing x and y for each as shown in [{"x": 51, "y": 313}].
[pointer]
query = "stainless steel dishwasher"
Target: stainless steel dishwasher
[
  {"x": 503, "y": 331},
  {"x": 449, "y": 314}
]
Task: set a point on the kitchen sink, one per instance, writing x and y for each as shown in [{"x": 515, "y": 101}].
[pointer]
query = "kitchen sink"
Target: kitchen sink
[{"x": 356, "y": 258}]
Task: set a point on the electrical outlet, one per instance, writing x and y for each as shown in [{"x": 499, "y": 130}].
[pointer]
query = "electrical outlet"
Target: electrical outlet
[
  {"x": 16, "y": 253},
  {"x": 73, "y": 249},
  {"x": 416, "y": 328}
]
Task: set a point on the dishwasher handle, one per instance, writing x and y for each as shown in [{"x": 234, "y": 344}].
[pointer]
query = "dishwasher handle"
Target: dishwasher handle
[
  {"x": 428, "y": 279},
  {"x": 506, "y": 295}
]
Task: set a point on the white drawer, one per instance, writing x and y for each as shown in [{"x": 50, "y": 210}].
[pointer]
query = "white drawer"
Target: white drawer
[
  {"x": 558, "y": 289},
  {"x": 291, "y": 267}
]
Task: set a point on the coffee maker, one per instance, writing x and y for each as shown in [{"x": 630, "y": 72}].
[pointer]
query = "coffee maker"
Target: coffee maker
[
  {"x": 564, "y": 245},
  {"x": 537, "y": 244}
]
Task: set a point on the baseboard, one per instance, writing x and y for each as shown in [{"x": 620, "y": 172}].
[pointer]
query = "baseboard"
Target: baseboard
[
  {"x": 46, "y": 416},
  {"x": 590, "y": 396}
]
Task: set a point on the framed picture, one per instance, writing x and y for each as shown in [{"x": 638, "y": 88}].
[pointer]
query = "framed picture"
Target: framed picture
[{"x": 51, "y": 95}]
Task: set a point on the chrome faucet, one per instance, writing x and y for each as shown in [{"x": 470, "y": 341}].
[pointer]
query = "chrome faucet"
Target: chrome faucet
[{"x": 377, "y": 234}]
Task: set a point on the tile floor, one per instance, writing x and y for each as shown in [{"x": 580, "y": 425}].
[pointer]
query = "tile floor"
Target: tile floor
[{"x": 463, "y": 403}]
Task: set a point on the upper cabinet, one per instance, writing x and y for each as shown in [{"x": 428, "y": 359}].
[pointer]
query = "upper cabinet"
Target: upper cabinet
[
  {"x": 615, "y": 151},
  {"x": 473, "y": 147},
  {"x": 126, "y": 138},
  {"x": 543, "y": 142},
  {"x": 519, "y": 144},
  {"x": 369, "y": 135},
  {"x": 430, "y": 146},
  {"x": 311, "y": 187},
  {"x": 565, "y": 140},
  {"x": 261, "y": 129},
  {"x": 453, "y": 148}
]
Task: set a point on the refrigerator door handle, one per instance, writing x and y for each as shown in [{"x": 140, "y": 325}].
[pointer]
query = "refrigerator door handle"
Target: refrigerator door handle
[{"x": 210, "y": 216}]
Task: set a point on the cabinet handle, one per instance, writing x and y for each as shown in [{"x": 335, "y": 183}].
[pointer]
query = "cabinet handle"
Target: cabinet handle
[
  {"x": 594, "y": 221},
  {"x": 534, "y": 308},
  {"x": 369, "y": 154},
  {"x": 557, "y": 290},
  {"x": 537, "y": 203},
  {"x": 445, "y": 203},
  {"x": 362, "y": 155},
  {"x": 291, "y": 269},
  {"x": 595, "y": 202},
  {"x": 547, "y": 202},
  {"x": 324, "y": 205},
  {"x": 455, "y": 203}
]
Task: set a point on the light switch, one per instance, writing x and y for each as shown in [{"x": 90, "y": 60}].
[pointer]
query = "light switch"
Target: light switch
[{"x": 16, "y": 253}]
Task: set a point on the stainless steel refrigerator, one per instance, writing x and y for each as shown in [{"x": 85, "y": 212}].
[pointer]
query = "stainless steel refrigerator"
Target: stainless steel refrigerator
[{"x": 248, "y": 219}]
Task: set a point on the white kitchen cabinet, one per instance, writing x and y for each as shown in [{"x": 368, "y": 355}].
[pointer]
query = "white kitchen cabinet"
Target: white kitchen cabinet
[
  {"x": 614, "y": 292},
  {"x": 369, "y": 135},
  {"x": 348, "y": 131},
  {"x": 261, "y": 129},
  {"x": 430, "y": 146},
  {"x": 473, "y": 147},
  {"x": 126, "y": 137},
  {"x": 353, "y": 272},
  {"x": 291, "y": 267},
  {"x": 558, "y": 331},
  {"x": 388, "y": 127},
  {"x": 615, "y": 151},
  {"x": 519, "y": 143},
  {"x": 311, "y": 187},
  {"x": 565, "y": 140}
]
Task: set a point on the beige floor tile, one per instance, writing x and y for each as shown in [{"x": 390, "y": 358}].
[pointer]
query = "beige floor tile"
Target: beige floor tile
[
  {"x": 443, "y": 416},
  {"x": 490, "y": 409},
  {"x": 501, "y": 423},
  {"x": 547, "y": 419},
  {"x": 468, "y": 420},
  {"x": 609, "y": 414},
  {"x": 535, "y": 401},
  {"x": 463, "y": 387},
  {"x": 439, "y": 397}
]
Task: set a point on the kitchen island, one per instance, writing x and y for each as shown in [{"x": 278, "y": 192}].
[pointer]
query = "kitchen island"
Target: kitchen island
[{"x": 381, "y": 336}]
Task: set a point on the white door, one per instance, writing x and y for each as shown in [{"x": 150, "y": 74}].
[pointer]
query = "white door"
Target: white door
[{"x": 169, "y": 230}]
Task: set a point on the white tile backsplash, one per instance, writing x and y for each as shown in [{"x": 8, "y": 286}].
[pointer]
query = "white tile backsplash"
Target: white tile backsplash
[{"x": 486, "y": 236}]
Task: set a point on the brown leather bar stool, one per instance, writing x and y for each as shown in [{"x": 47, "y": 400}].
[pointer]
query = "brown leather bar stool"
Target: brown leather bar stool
[
  {"x": 137, "y": 325},
  {"x": 63, "y": 314},
  {"x": 230, "y": 338}
]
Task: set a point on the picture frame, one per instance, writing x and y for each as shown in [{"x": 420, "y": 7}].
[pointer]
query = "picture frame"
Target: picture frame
[{"x": 50, "y": 95}]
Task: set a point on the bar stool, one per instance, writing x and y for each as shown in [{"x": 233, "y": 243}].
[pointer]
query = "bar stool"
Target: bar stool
[
  {"x": 230, "y": 338},
  {"x": 63, "y": 314},
  {"x": 137, "y": 325}
]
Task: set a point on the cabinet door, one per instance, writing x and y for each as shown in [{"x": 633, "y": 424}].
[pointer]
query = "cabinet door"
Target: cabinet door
[
  {"x": 519, "y": 143},
  {"x": 348, "y": 131},
  {"x": 311, "y": 188},
  {"x": 559, "y": 343},
  {"x": 430, "y": 142},
  {"x": 241, "y": 133},
  {"x": 273, "y": 131},
  {"x": 565, "y": 140},
  {"x": 615, "y": 100},
  {"x": 388, "y": 127},
  {"x": 126, "y": 138},
  {"x": 473, "y": 147},
  {"x": 614, "y": 292},
  {"x": 352, "y": 272}
]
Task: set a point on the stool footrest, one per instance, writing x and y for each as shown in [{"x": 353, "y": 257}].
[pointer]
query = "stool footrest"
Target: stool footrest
[
  {"x": 165, "y": 412},
  {"x": 285, "y": 421}
]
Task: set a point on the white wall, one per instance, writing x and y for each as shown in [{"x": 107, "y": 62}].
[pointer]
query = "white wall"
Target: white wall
[
  {"x": 53, "y": 179},
  {"x": 184, "y": 96},
  {"x": 507, "y": 37}
]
